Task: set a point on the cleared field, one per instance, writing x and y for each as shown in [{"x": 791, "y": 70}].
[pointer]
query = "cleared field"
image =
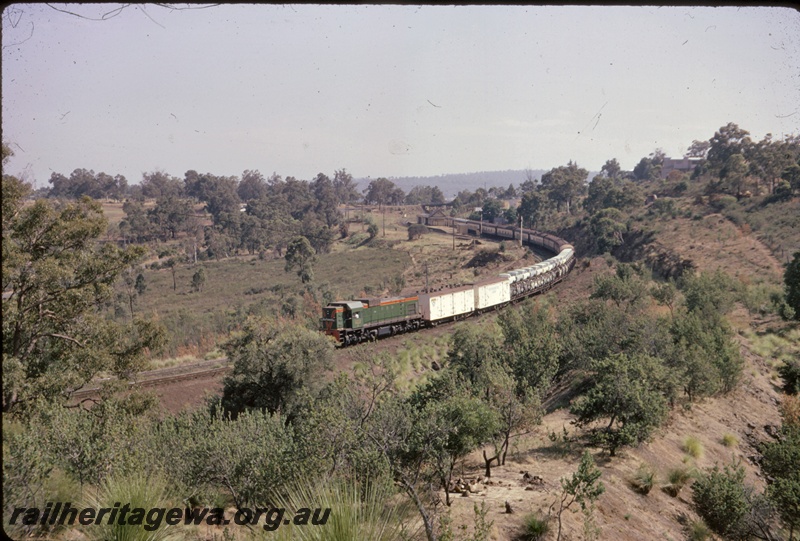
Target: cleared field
[
  {"x": 197, "y": 321},
  {"x": 236, "y": 281}
]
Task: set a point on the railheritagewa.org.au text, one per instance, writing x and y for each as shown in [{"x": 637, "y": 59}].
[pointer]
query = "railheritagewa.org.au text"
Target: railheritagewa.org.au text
[{"x": 63, "y": 513}]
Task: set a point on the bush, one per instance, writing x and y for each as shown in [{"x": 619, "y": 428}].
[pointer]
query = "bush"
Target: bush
[
  {"x": 721, "y": 499},
  {"x": 276, "y": 367},
  {"x": 664, "y": 207},
  {"x": 790, "y": 373},
  {"x": 644, "y": 479},
  {"x": 723, "y": 202},
  {"x": 373, "y": 230},
  {"x": 698, "y": 531},
  {"x": 251, "y": 459},
  {"x": 534, "y": 528},
  {"x": 783, "y": 192},
  {"x": 416, "y": 231},
  {"x": 762, "y": 298},
  {"x": 357, "y": 511},
  {"x": 140, "y": 492},
  {"x": 677, "y": 477},
  {"x": 791, "y": 279}
]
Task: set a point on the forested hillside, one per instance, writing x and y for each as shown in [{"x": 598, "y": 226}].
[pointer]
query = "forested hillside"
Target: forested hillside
[{"x": 651, "y": 394}]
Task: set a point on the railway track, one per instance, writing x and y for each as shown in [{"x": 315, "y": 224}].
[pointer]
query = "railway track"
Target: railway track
[{"x": 164, "y": 376}]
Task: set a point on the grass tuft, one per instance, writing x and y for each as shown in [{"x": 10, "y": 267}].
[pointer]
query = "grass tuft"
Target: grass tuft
[
  {"x": 698, "y": 531},
  {"x": 729, "y": 440},
  {"x": 137, "y": 491},
  {"x": 678, "y": 478},
  {"x": 644, "y": 479},
  {"x": 358, "y": 511},
  {"x": 534, "y": 528},
  {"x": 693, "y": 447}
]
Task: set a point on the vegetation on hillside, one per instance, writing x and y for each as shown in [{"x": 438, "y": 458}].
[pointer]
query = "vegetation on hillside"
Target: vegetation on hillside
[{"x": 82, "y": 300}]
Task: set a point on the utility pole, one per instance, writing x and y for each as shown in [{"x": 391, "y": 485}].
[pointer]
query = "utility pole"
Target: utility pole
[{"x": 520, "y": 230}]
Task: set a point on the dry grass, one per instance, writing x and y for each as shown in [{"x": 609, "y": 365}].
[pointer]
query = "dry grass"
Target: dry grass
[
  {"x": 693, "y": 447},
  {"x": 644, "y": 479},
  {"x": 729, "y": 440},
  {"x": 678, "y": 477},
  {"x": 235, "y": 287}
]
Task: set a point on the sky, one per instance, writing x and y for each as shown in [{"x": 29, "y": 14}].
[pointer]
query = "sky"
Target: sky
[{"x": 384, "y": 90}]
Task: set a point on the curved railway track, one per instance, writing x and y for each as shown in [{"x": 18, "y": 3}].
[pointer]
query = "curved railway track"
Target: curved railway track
[{"x": 164, "y": 376}]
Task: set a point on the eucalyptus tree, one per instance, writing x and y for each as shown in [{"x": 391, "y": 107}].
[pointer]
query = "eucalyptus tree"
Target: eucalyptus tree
[{"x": 56, "y": 280}]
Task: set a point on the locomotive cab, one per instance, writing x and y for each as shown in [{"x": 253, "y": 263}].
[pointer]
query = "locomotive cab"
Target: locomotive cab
[{"x": 338, "y": 316}]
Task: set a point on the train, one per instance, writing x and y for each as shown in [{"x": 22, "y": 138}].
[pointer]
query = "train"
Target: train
[{"x": 352, "y": 322}]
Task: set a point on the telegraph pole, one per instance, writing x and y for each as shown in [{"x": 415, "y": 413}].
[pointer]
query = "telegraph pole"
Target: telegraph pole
[{"x": 520, "y": 230}]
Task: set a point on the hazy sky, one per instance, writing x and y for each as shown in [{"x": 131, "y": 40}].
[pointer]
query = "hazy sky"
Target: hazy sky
[{"x": 385, "y": 90}]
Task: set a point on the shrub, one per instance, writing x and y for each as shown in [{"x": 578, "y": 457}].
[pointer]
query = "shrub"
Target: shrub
[
  {"x": 721, "y": 499},
  {"x": 783, "y": 191},
  {"x": 677, "y": 477},
  {"x": 373, "y": 230},
  {"x": 693, "y": 447},
  {"x": 698, "y": 531},
  {"x": 790, "y": 373},
  {"x": 416, "y": 231},
  {"x": 723, "y": 202},
  {"x": 357, "y": 511},
  {"x": 761, "y": 298},
  {"x": 534, "y": 528},
  {"x": 140, "y": 492},
  {"x": 644, "y": 479}
]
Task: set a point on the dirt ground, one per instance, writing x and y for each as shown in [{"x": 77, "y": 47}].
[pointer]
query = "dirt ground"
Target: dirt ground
[{"x": 188, "y": 394}]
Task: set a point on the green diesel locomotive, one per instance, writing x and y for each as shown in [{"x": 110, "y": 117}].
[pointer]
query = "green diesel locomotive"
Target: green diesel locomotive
[{"x": 365, "y": 320}]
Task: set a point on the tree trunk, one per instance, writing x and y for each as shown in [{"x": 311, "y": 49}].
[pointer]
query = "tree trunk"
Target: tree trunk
[
  {"x": 504, "y": 448},
  {"x": 445, "y": 479},
  {"x": 427, "y": 520},
  {"x": 488, "y": 461}
]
